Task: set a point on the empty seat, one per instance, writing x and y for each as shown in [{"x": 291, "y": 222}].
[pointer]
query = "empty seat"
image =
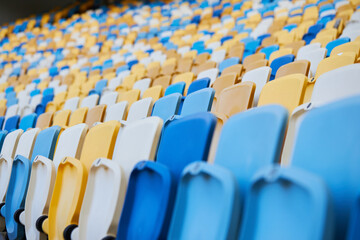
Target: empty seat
[
  {"x": 130, "y": 96},
  {"x": 90, "y": 101},
  {"x": 19, "y": 180},
  {"x": 95, "y": 115},
  {"x": 71, "y": 178},
  {"x": 175, "y": 88},
  {"x": 155, "y": 92},
  {"x": 152, "y": 186},
  {"x": 61, "y": 118},
  {"x": 342, "y": 165},
  {"x": 314, "y": 57},
  {"x": 198, "y": 84},
  {"x": 167, "y": 106},
  {"x": 44, "y": 120},
  {"x": 12, "y": 123},
  {"x": 287, "y": 91},
  {"x": 295, "y": 198},
  {"x": 221, "y": 83},
  {"x": 71, "y": 104},
  {"x": 42, "y": 179},
  {"x": 260, "y": 77},
  {"x": 116, "y": 111},
  {"x": 187, "y": 78},
  {"x": 140, "y": 109},
  {"x": 334, "y": 62},
  {"x": 220, "y": 188},
  {"x": 142, "y": 85},
  {"x": 210, "y": 73},
  {"x": 109, "y": 98},
  {"x": 228, "y": 63},
  {"x": 163, "y": 81},
  {"x": 300, "y": 66},
  {"x": 199, "y": 101},
  {"x": 138, "y": 141},
  {"x": 28, "y": 121},
  {"x": 278, "y": 62}
]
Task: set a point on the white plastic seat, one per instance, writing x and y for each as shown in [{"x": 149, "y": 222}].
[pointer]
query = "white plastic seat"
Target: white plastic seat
[
  {"x": 43, "y": 176},
  {"x": 107, "y": 182},
  {"x": 90, "y": 101},
  {"x": 140, "y": 109},
  {"x": 109, "y": 98},
  {"x": 71, "y": 104},
  {"x": 307, "y": 48},
  {"x": 54, "y": 84},
  {"x": 60, "y": 89},
  {"x": 314, "y": 57},
  {"x": 142, "y": 85},
  {"x": 331, "y": 86},
  {"x": 11, "y": 111},
  {"x": 218, "y": 56},
  {"x": 34, "y": 101},
  {"x": 210, "y": 73},
  {"x": 30, "y": 87},
  {"x": 116, "y": 111},
  {"x": 259, "y": 76}
]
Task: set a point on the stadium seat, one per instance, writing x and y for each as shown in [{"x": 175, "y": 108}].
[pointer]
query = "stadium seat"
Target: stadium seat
[
  {"x": 44, "y": 120},
  {"x": 19, "y": 179},
  {"x": 12, "y": 123},
  {"x": 287, "y": 91},
  {"x": 279, "y": 62},
  {"x": 226, "y": 181},
  {"x": 306, "y": 212},
  {"x": 116, "y": 111},
  {"x": 210, "y": 73},
  {"x": 314, "y": 57},
  {"x": 175, "y": 88},
  {"x": 109, "y": 98},
  {"x": 42, "y": 179},
  {"x": 324, "y": 134},
  {"x": 300, "y": 66},
  {"x": 137, "y": 141},
  {"x": 140, "y": 109},
  {"x": 70, "y": 182},
  {"x": 199, "y": 101},
  {"x": 221, "y": 83},
  {"x": 260, "y": 77},
  {"x": 146, "y": 190},
  {"x": 167, "y": 106}
]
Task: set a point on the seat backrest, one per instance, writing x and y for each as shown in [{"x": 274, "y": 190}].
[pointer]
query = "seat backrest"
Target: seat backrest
[
  {"x": 260, "y": 77},
  {"x": 90, "y": 101},
  {"x": 28, "y": 121},
  {"x": 333, "y": 131},
  {"x": 10, "y": 143},
  {"x": 237, "y": 69},
  {"x": 238, "y": 147},
  {"x": 210, "y": 73},
  {"x": 140, "y": 109},
  {"x": 116, "y": 111},
  {"x": 95, "y": 114},
  {"x": 336, "y": 84},
  {"x": 187, "y": 78},
  {"x": 61, "y": 118},
  {"x": 300, "y": 66},
  {"x": 130, "y": 96},
  {"x": 142, "y": 85},
  {"x": 307, "y": 48},
  {"x": 138, "y": 141},
  {"x": 314, "y": 57},
  {"x": 175, "y": 88},
  {"x": 45, "y": 143},
  {"x": 26, "y": 143},
  {"x": 196, "y": 131},
  {"x": 333, "y": 44},
  {"x": 155, "y": 92},
  {"x": 109, "y": 98},
  {"x": 44, "y": 120},
  {"x": 253, "y": 58},
  {"x": 163, "y": 81},
  {"x": 99, "y": 142},
  {"x": 70, "y": 143},
  {"x": 199, "y": 101},
  {"x": 280, "y": 53},
  {"x": 72, "y": 104},
  {"x": 228, "y": 63},
  {"x": 287, "y": 91},
  {"x": 223, "y": 82},
  {"x": 12, "y": 123},
  {"x": 334, "y": 62},
  {"x": 236, "y": 99},
  {"x": 78, "y": 116},
  {"x": 278, "y": 62},
  {"x": 167, "y": 106},
  {"x": 304, "y": 214}
]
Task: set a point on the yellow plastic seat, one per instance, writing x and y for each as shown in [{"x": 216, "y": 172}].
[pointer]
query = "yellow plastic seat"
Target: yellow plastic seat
[
  {"x": 237, "y": 69},
  {"x": 54, "y": 105},
  {"x": 155, "y": 93},
  {"x": 44, "y": 120},
  {"x": 127, "y": 83},
  {"x": 163, "y": 81},
  {"x": 221, "y": 83},
  {"x": 257, "y": 64},
  {"x": 300, "y": 66},
  {"x": 253, "y": 58},
  {"x": 280, "y": 53},
  {"x": 334, "y": 62},
  {"x": 287, "y": 91},
  {"x": 130, "y": 96},
  {"x": 169, "y": 66},
  {"x": 347, "y": 47},
  {"x": 71, "y": 179},
  {"x": 61, "y": 118},
  {"x": 153, "y": 69},
  {"x": 188, "y": 78},
  {"x": 78, "y": 116}
]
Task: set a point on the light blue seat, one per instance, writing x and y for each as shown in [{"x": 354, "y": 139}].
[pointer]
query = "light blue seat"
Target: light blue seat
[
  {"x": 219, "y": 189},
  {"x": 28, "y": 121},
  {"x": 20, "y": 175},
  {"x": 152, "y": 186},
  {"x": 228, "y": 63},
  {"x": 198, "y": 85},
  {"x": 3, "y": 134},
  {"x": 167, "y": 106},
  {"x": 178, "y": 87},
  {"x": 333, "y": 44},
  {"x": 278, "y": 62},
  {"x": 327, "y": 144},
  {"x": 199, "y": 101},
  {"x": 40, "y": 108},
  {"x": 99, "y": 86},
  {"x": 11, "y": 101},
  {"x": 269, "y": 50},
  {"x": 287, "y": 203}
]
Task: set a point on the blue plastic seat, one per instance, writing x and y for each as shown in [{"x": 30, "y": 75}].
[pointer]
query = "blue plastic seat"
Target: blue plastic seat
[
  {"x": 250, "y": 47},
  {"x": 3, "y": 134},
  {"x": 20, "y": 174},
  {"x": 99, "y": 86},
  {"x": 11, "y": 101},
  {"x": 269, "y": 50},
  {"x": 2, "y": 119},
  {"x": 228, "y": 63},
  {"x": 48, "y": 91},
  {"x": 198, "y": 85},
  {"x": 290, "y": 27},
  {"x": 220, "y": 188},
  {"x": 199, "y": 101},
  {"x": 308, "y": 37},
  {"x": 28, "y": 121},
  {"x": 40, "y": 108},
  {"x": 152, "y": 186},
  {"x": 331, "y": 45},
  {"x": 167, "y": 106},
  {"x": 12, "y": 123},
  {"x": 329, "y": 149},
  {"x": 9, "y": 89},
  {"x": 175, "y": 88},
  {"x": 35, "y": 92},
  {"x": 278, "y": 62},
  {"x": 297, "y": 202},
  {"x": 10, "y": 95}
]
